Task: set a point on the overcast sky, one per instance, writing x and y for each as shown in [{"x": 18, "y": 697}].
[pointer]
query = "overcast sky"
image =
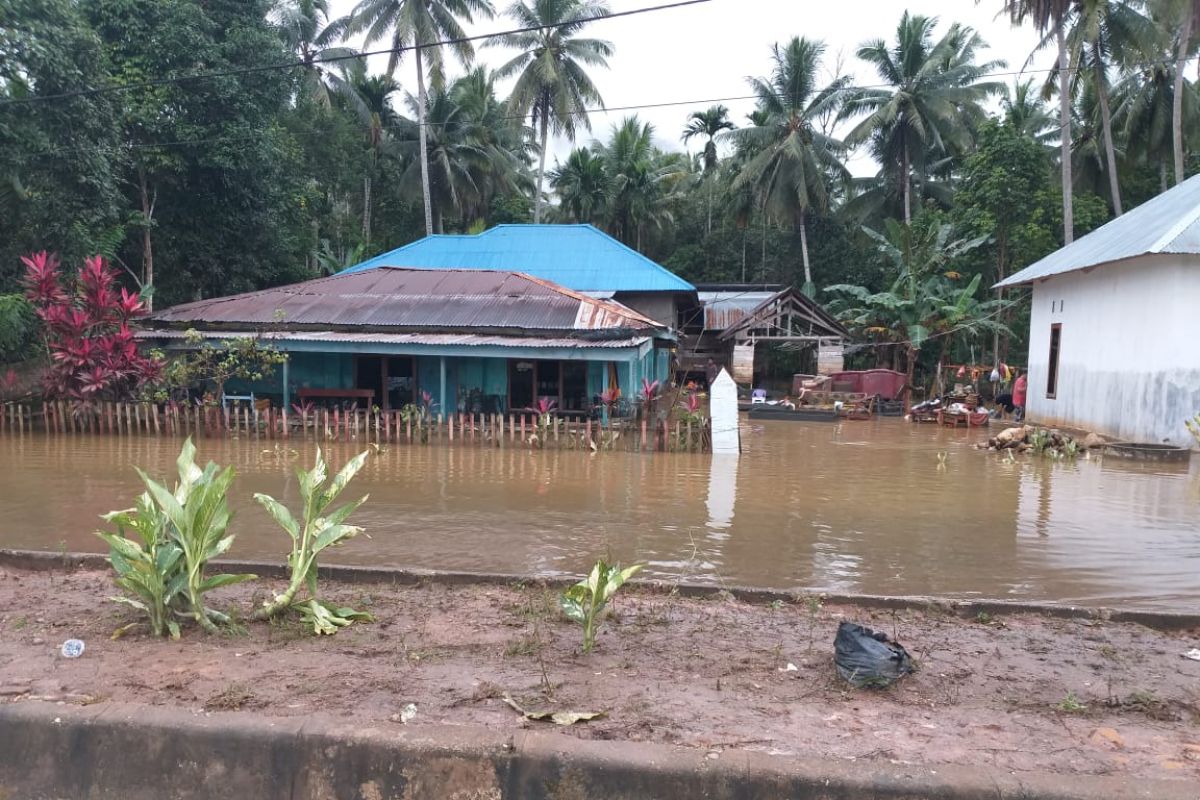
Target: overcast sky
[{"x": 697, "y": 55}]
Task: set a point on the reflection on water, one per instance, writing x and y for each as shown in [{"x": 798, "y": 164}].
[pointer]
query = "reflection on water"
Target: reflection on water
[{"x": 854, "y": 506}]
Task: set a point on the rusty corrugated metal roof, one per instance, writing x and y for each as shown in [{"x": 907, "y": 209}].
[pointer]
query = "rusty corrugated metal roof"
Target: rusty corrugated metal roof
[
  {"x": 434, "y": 339},
  {"x": 399, "y": 297}
]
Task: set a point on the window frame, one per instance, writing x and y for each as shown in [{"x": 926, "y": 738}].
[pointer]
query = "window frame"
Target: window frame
[{"x": 1053, "y": 361}]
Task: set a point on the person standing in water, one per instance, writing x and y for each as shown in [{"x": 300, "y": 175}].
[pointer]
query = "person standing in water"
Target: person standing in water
[{"x": 1020, "y": 390}]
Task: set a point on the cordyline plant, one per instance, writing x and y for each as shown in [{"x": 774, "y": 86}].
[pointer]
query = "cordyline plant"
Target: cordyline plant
[
  {"x": 585, "y": 602},
  {"x": 179, "y": 533},
  {"x": 650, "y": 392},
  {"x": 321, "y": 528},
  {"x": 93, "y": 355},
  {"x": 544, "y": 408}
]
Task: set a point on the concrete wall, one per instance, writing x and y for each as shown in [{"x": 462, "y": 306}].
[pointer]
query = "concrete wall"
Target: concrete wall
[
  {"x": 658, "y": 306},
  {"x": 1129, "y": 359}
]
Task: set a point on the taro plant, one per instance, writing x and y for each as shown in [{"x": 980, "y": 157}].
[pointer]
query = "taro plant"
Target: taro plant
[
  {"x": 585, "y": 602},
  {"x": 321, "y": 528},
  {"x": 180, "y": 533}
]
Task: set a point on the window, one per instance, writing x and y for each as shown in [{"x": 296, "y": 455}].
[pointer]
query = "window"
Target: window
[{"x": 1052, "y": 371}]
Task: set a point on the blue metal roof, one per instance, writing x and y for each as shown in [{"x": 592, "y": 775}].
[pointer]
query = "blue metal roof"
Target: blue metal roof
[
  {"x": 1168, "y": 223},
  {"x": 579, "y": 257}
]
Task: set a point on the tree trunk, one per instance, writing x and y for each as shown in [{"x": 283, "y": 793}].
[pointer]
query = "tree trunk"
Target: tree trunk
[
  {"x": 537, "y": 200},
  {"x": 762, "y": 267},
  {"x": 367, "y": 207},
  {"x": 745, "y": 238},
  {"x": 1185, "y": 37},
  {"x": 421, "y": 103},
  {"x": 906, "y": 185},
  {"x": 1114, "y": 187},
  {"x": 911, "y": 367},
  {"x": 1064, "y": 113},
  {"x": 708, "y": 230},
  {"x": 808, "y": 281},
  {"x": 147, "y": 245}
]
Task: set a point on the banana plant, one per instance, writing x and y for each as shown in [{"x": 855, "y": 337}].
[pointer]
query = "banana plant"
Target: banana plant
[
  {"x": 585, "y": 602},
  {"x": 322, "y": 528},
  {"x": 149, "y": 569}
]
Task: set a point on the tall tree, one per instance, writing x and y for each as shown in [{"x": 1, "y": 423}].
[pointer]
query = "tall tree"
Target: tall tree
[
  {"x": 1179, "y": 17},
  {"x": 369, "y": 97},
  {"x": 1025, "y": 112},
  {"x": 643, "y": 179},
  {"x": 933, "y": 98},
  {"x": 1101, "y": 35},
  {"x": 793, "y": 161},
  {"x": 417, "y": 25},
  {"x": 708, "y": 124},
  {"x": 1051, "y": 16},
  {"x": 583, "y": 186},
  {"x": 553, "y": 87},
  {"x": 309, "y": 33}
]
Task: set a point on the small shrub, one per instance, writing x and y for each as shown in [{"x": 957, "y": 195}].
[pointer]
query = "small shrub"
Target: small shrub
[
  {"x": 180, "y": 533},
  {"x": 1070, "y": 704},
  {"x": 585, "y": 602},
  {"x": 322, "y": 528}
]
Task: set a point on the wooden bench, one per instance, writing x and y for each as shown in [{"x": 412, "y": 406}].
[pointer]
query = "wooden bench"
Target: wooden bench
[{"x": 306, "y": 395}]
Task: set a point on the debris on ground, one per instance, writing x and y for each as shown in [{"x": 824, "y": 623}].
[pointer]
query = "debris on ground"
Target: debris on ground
[
  {"x": 557, "y": 717},
  {"x": 867, "y": 659},
  {"x": 1039, "y": 441}
]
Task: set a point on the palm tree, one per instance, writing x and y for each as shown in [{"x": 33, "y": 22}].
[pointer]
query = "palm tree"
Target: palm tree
[
  {"x": 933, "y": 101},
  {"x": 1144, "y": 112},
  {"x": 793, "y": 161},
  {"x": 552, "y": 86},
  {"x": 1024, "y": 110},
  {"x": 369, "y": 97},
  {"x": 1177, "y": 18},
  {"x": 582, "y": 185},
  {"x": 643, "y": 179},
  {"x": 1101, "y": 34},
  {"x": 308, "y": 32},
  {"x": 1051, "y": 15},
  {"x": 416, "y": 25},
  {"x": 474, "y": 154},
  {"x": 708, "y": 124}
]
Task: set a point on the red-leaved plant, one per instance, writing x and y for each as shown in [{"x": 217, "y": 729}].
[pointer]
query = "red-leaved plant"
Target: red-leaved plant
[{"x": 93, "y": 355}]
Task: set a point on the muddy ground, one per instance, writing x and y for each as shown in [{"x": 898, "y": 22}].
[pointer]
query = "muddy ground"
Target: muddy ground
[{"x": 1021, "y": 693}]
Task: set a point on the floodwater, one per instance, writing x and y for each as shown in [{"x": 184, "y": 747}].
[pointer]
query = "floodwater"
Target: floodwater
[{"x": 846, "y": 507}]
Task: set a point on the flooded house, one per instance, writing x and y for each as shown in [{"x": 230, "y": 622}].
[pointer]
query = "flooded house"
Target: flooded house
[
  {"x": 578, "y": 257},
  {"x": 475, "y": 340},
  {"x": 1113, "y": 332}
]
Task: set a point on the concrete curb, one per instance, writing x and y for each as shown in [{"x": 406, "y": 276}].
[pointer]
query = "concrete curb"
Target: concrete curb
[
  {"x": 43, "y": 561},
  {"x": 106, "y": 752}
]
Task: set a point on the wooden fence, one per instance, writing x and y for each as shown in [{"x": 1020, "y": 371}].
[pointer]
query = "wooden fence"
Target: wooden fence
[{"x": 495, "y": 430}]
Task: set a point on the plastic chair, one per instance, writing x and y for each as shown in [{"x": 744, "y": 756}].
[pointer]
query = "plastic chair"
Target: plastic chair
[
  {"x": 758, "y": 396},
  {"x": 237, "y": 398}
]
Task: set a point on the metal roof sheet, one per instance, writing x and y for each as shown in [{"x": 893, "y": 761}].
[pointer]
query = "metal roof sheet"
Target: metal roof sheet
[
  {"x": 392, "y": 297},
  {"x": 579, "y": 257},
  {"x": 1168, "y": 223},
  {"x": 435, "y": 339},
  {"x": 725, "y": 308}
]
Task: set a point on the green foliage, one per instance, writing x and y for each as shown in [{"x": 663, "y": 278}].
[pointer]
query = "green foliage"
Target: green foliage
[
  {"x": 18, "y": 328},
  {"x": 179, "y": 532},
  {"x": 320, "y": 528},
  {"x": 244, "y": 358},
  {"x": 585, "y": 602}
]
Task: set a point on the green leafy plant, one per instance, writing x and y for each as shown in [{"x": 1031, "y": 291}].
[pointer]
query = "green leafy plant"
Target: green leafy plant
[
  {"x": 585, "y": 602},
  {"x": 1193, "y": 426},
  {"x": 321, "y": 529},
  {"x": 1070, "y": 704},
  {"x": 180, "y": 533}
]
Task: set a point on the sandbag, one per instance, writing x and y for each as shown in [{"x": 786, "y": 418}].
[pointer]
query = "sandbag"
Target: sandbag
[{"x": 868, "y": 659}]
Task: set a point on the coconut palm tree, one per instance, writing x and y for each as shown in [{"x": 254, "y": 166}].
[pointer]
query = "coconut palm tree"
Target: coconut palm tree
[
  {"x": 1051, "y": 16},
  {"x": 708, "y": 124},
  {"x": 1144, "y": 105},
  {"x": 307, "y": 30},
  {"x": 582, "y": 185},
  {"x": 933, "y": 100},
  {"x": 417, "y": 24},
  {"x": 1177, "y": 19},
  {"x": 1023, "y": 109},
  {"x": 643, "y": 179},
  {"x": 794, "y": 161},
  {"x": 1102, "y": 34},
  {"x": 552, "y": 85},
  {"x": 369, "y": 97}
]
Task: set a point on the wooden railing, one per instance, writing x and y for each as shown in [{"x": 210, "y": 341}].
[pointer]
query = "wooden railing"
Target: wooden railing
[{"x": 495, "y": 430}]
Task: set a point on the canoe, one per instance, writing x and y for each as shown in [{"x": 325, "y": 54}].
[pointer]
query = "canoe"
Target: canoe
[{"x": 801, "y": 414}]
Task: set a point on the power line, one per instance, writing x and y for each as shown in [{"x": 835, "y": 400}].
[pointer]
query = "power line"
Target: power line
[{"x": 166, "y": 81}]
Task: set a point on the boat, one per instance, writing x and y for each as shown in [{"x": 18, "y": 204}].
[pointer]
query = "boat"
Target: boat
[{"x": 798, "y": 414}]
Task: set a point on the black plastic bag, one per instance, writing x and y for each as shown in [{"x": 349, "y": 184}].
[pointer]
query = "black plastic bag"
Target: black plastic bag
[{"x": 868, "y": 659}]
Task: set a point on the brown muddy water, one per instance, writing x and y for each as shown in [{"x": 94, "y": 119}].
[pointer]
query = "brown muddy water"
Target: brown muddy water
[{"x": 846, "y": 507}]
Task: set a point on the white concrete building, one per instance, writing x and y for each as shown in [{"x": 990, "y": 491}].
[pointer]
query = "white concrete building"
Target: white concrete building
[{"x": 1114, "y": 342}]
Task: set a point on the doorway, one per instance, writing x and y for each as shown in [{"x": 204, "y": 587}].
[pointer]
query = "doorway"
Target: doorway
[
  {"x": 522, "y": 377},
  {"x": 401, "y": 381},
  {"x": 368, "y": 374}
]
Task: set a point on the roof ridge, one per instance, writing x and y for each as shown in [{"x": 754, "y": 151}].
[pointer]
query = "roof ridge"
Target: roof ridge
[{"x": 1175, "y": 230}]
